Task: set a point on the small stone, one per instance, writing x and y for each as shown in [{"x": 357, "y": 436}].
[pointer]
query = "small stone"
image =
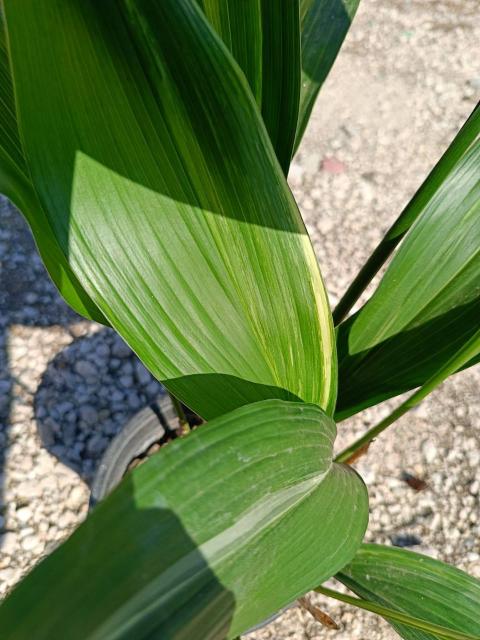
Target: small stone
[
  {"x": 120, "y": 349},
  {"x": 475, "y": 488},
  {"x": 473, "y": 457},
  {"x": 30, "y": 542},
  {"x": 333, "y": 165},
  {"x": 153, "y": 388},
  {"x": 429, "y": 451},
  {"x": 127, "y": 368},
  {"x": 86, "y": 369},
  {"x": 405, "y": 540},
  {"x": 69, "y": 433},
  {"x": 103, "y": 351},
  {"x": 126, "y": 381},
  {"x": 115, "y": 364},
  {"x": 117, "y": 396},
  {"x": 88, "y": 414},
  {"x": 9, "y": 543},
  {"x": 134, "y": 401},
  {"x": 23, "y": 515},
  {"x": 5, "y": 387},
  {"x": 142, "y": 374},
  {"x": 26, "y": 492},
  {"x": 66, "y": 520},
  {"x": 475, "y": 82},
  {"x": 96, "y": 445},
  {"x": 44, "y": 464},
  {"x": 76, "y": 498},
  {"x": 49, "y": 484},
  {"x": 31, "y": 297},
  {"x": 64, "y": 407},
  {"x": 295, "y": 174},
  {"x": 47, "y": 429}
]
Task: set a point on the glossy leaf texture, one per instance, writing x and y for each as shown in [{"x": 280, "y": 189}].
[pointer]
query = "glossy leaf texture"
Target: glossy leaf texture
[
  {"x": 210, "y": 536},
  {"x": 462, "y": 141},
  {"x": 264, "y": 38},
  {"x": 417, "y": 585},
  {"x": 324, "y": 25},
  {"x": 161, "y": 186},
  {"x": 427, "y": 305},
  {"x": 16, "y": 184}
]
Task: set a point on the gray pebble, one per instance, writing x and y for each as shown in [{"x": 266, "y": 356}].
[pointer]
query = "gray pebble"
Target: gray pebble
[
  {"x": 86, "y": 369},
  {"x": 115, "y": 364},
  {"x": 142, "y": 374},
  {"x": 103, "y": 351},
  {"x": 126, "y": 381},
  {"x": 96, "y": 445},
  {"x": 120, "y": 349},
  {"x": 88, "y": 414},
  {"x": 134, "y": 402},
  {"x": 153, "y": 388}
]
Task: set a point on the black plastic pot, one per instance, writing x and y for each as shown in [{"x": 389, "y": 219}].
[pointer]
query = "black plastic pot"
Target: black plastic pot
[{"x": 151, "y": 425}]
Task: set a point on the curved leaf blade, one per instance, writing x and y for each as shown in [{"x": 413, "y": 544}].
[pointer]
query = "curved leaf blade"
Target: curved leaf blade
[
  {"x": 281, "y": 75},
  {"x": 198, "y": 541},
  {"x": 415, "y": 584},
  {"x": 15, "y": 183},
  {"x": 440, "y": 172},
  {"x": 264, "y": 38},
  {"x": 427, "y": 305},
  {"x": 160, "y": 184},
  {"x": 324, "y": 25},
  {"x": 240, "y": 27}
]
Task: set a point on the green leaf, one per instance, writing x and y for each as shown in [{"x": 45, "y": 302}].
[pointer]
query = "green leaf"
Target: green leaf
[
  {"x": 440, "y": 172},
  {"x": 281, "y": 75},
  {"x": 161, "y": 186},
  {"x": 324, "y": 24},
  {"x": 395, "y": 616},
  {"x": 416, "y": 585},
  {"x": 15, "y": 183},
  {"x": 264, "y": 38},
  {"x": 213, "y": 534},
  {"x": 465, "y": 355},
  {"x": 427, "y": 305}
]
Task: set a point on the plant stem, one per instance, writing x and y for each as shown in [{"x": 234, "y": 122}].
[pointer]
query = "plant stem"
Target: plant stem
[
  {"x": 184, "y": 426},
  {"x": 469, "y": 350},
  {"x": 397, "y": 616},
  {"x": 414, "y": 208}
]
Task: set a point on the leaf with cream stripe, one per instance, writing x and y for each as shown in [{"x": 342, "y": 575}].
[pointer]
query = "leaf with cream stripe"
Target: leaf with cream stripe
[{"x": 213, "y": 534}]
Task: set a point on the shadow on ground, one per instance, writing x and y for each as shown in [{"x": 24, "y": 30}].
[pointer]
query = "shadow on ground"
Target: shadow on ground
[
  {"x": 28, "y": 298},
  {"x": 87, "y": 394},
  {"x": 126, "y": 598}
]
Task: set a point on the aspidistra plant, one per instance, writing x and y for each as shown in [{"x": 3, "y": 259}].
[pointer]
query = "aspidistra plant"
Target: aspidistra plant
[{"x": 147, "y": 143}]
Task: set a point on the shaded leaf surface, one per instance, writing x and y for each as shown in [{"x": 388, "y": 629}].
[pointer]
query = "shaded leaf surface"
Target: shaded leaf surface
[
  {"x": 264, "y": 38},
  {"x": 210, "y": 536}
]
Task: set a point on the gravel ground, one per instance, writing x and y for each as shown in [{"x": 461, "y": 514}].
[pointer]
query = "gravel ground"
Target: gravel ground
[{"x": 404, "y": 83}]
